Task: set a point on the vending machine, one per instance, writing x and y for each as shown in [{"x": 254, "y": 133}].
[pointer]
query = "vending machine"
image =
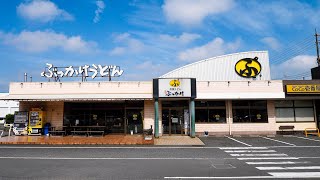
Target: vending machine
[
  {"x": 20, "y": 123},
  {"x": 36, "y": 121}
]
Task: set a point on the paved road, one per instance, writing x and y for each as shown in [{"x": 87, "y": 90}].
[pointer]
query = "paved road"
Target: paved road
[{"x": 221, "y": 158}]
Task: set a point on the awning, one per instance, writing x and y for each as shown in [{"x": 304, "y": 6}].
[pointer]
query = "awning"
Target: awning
[{"x": 76, "y": 97}]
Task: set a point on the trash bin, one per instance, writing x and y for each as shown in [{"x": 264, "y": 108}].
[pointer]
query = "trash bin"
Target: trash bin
[{"x": 46, "y": 129}]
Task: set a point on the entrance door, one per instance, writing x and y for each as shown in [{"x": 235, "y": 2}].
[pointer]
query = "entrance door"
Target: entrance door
[
  {"x": 172, "y": 121},
  {"x": 134, "y": 121}
]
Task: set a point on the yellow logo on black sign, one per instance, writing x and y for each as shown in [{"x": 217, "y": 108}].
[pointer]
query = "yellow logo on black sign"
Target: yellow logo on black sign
[
  {"x": 175, "y": 83},
  {"x": 248, "y": 67}
]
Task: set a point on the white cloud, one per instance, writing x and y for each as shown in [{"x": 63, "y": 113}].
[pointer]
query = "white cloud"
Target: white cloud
[
  {"x": 100, "y": 8},
  {"x": 261, "y": 17},
  {"x": 42, "y": 11},
  {"x": 148, "y": 70},
  {"x": 213, "y": 48},
  {"x": 273, "y": 43},
  {"x": 128, "y": 44},
  {"x": 41, "y": 41},
  {"x": 191, "y": 12},
  {"x": 294, "y": 68},
  {"x": 184, "y": 38}
]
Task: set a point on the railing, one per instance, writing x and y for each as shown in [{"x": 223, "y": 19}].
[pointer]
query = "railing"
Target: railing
[{"x": 313, "y": 131}]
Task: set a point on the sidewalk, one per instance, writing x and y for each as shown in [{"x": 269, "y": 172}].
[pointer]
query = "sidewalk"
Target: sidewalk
[
  {"x": 78, "y": 140},
  {"x": 178, "y": 140}
]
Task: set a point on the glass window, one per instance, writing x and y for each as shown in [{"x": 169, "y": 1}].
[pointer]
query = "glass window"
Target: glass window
[
  {"x": 283, "y": 103},
  {"x": 284, "y": 114},
  {"x": 294, "y": 111},
  {"x": 201, "y": 115},
  {"x": 304, "y": 114},
  {"x": 211, "y": 111},
  {"x": 250, "y": 111},
  {"x": 303, "y": 103},
  {"x": 217, "y": 115},
  {"x": 201, "y": 104}
]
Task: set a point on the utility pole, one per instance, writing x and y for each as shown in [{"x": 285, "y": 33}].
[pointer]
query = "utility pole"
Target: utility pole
[{"x": 317, "y": 46}]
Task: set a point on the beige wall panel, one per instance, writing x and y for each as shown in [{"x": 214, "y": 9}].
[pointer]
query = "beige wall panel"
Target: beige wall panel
[
  {"x": 53, "y": 88},
  {"x": 148, "y": 114}
]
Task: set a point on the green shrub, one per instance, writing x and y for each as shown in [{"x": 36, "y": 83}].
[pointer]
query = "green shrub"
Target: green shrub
[{"x": 9, "y": 118}]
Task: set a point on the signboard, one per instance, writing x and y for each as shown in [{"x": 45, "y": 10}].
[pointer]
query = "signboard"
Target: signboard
[
  {"x": 84, "y": 71},
  {"x": 303, "y": 89},
  {"x": 248, "y": 67},
  {"x": 174, "y": 88}
]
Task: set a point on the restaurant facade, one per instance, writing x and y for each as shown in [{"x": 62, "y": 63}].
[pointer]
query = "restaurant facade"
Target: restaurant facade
[{"x": 225, "y": 95}]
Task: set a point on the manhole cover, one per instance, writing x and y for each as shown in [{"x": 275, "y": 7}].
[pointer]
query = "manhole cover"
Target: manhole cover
[{"x": 223, "y": 166}]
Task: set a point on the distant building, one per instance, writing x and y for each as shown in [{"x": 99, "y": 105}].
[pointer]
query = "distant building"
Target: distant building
[{"x": 7, "y": 107}]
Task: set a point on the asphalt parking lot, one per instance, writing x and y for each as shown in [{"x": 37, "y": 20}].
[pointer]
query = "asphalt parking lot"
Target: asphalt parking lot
[
  {"x": 261, "y": 141},
  {"x": 261, "y": 157}
]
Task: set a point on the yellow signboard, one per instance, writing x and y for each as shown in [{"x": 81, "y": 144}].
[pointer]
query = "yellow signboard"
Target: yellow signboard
[
  {"x": 303, "y": 89},
  {"x": 248, "y": 67}
]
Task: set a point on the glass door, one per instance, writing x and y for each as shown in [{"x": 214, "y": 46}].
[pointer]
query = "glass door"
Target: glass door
[
  {"x": 172, "y": 121},
  {"x": 134, "y": 121}
]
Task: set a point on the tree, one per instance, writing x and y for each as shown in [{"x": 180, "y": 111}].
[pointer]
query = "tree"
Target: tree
[{"x": 9, "y": 118}]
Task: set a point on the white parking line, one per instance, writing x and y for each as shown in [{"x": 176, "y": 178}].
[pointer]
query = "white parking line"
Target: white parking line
[
  {"x": 278, "y": 141},
  {"x": 262, "y": 158},
  {"x": 307, "y": 138},
  {"x": 295, "y": 174},
  {"x": 279, "y": 162},
  {"x": 238, "y": 141},
  {"x": 251, "y": 151},
  {"x": 287, "y": 168},
  {"x": 276, "y": 175},
  {"x": 258, "y": 155},
  {"x": 225, "y": 148}
]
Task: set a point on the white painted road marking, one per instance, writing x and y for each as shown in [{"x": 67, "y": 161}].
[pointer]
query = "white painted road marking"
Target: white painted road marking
[
  {"x": 251, "y": 151},
  {"x": 238, "y": 141},
  {"x": 260, "y": 158},
  {"x": 295, "y": 174},
  {"x": 287, "y": 168},
  {"x": 307, "y": 138},
  {"x": 258, "y": 154},
  {"x": 278, "y": 141},
  {"x": 225, "y": 148},
  {"x": 278, "y": 176},
  {"x": 280, "y": 162}
]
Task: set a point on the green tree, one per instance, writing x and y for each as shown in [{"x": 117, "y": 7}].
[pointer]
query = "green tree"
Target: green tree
[{"x": 9, "y": 118}]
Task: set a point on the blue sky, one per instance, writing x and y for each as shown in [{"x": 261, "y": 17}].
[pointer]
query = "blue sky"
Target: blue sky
[{"x": 149, "y": 38}]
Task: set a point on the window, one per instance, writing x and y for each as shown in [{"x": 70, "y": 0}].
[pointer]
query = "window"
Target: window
[
  {"x": 250, "y": 111},
  {"x": 210, "y": 111},
  {"x": 294, "y": 111}
]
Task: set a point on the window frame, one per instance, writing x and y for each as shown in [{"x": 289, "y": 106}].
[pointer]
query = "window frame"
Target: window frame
[
  {"x": 249, "y": 108},
  {"x": 294, "y": 112},
  {"x": 208, "y": 108}
]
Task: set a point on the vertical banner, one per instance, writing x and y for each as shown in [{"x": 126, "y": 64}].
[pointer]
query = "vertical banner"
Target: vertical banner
[{"x": 186, "y": 121}]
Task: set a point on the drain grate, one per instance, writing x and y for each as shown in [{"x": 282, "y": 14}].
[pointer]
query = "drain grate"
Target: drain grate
[{"x": 223, "y": 166}]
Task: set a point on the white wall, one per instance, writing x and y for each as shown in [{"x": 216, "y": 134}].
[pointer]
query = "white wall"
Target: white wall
[{"x": 7, "y": 107}]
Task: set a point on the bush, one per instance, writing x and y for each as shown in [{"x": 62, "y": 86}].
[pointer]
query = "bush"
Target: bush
[{"x": 9, "y": 118}]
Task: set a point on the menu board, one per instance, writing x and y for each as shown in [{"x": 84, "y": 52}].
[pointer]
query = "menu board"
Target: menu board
[
  {"x": 20, "y": 119},
  {"x": 34, "y": 118}
]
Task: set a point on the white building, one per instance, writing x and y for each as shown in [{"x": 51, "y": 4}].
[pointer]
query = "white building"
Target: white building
[{"x": 230, "y": 94}]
